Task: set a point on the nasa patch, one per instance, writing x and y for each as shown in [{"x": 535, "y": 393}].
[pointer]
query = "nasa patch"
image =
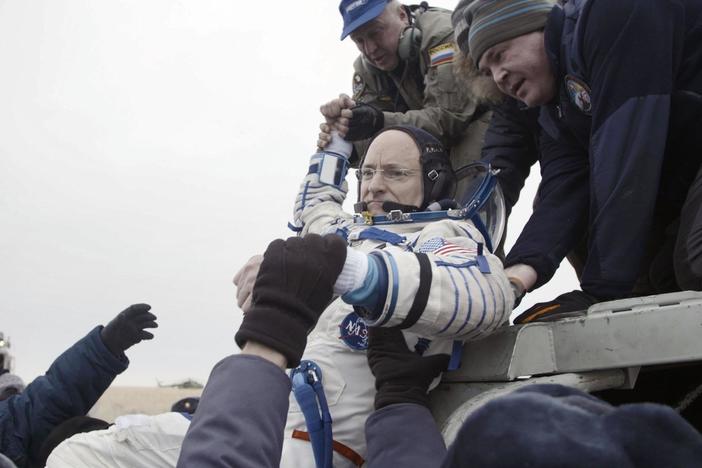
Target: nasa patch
[
  {"x": 354, "y": 332},
  {"x": 358, "y": 85},
  {"x": 579, "y": 93}
]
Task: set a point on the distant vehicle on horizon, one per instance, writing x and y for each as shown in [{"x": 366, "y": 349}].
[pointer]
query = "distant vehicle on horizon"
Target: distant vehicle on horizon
[{"x": 186, "y": 383}]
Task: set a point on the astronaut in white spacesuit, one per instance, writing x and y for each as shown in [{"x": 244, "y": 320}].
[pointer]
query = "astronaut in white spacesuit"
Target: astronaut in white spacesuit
[{"x": 428, "y": 272}]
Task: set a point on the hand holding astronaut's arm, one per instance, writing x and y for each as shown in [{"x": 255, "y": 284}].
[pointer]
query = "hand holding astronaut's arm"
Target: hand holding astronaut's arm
[
  {"x": 366, "y": 120},
  {"x": 244, "y": 281},
  {"x": 337, "y": 113},
  {"x": 522, "y": 277}
]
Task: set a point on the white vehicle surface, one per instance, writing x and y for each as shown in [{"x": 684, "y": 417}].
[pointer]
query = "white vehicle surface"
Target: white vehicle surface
[{"x": 604, "y": 349}]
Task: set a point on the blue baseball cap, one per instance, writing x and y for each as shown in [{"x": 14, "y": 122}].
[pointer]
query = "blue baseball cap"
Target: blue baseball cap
[{"x": 356, "y": 13}]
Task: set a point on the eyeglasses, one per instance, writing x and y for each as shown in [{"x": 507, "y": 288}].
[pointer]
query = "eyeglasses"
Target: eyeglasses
[{"x": 367, "y": 173}]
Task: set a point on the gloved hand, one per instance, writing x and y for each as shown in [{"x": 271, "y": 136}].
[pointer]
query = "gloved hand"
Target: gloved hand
[
  {"x": 292, "y": 288},
  {"x": 401, "y": 375},
  {"x": 571, "y": 304},
  {"x": 365, "y": 121},
  {"x": 127, "y": 328}
]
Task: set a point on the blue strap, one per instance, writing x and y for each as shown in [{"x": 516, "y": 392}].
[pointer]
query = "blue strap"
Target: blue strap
[
  {"x": 456, "y": 354},
  {"x": 382, "y": 235},
  {"x": 294, "y": 228},
  {"x": 422, "y": 346},
  {"x": 478, "y": 222},
  {"x": 309, "y": 393},
  {"x": 483, "y": 264}
]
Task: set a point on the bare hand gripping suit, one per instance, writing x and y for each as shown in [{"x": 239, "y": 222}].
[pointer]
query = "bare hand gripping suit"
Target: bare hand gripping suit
[{"x": 434, "y": 284}]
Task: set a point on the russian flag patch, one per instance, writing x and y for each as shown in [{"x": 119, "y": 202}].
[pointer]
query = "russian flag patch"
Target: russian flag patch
[{"x": 441, "y": 54}]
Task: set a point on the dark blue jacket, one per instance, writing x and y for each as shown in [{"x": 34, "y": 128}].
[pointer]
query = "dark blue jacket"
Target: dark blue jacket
[
  {"x": 549, "y": 426},
  {"x": 622, "y": 135},
  {"x": 71, "y": 386},
  {"x": 512, "y": 146}
]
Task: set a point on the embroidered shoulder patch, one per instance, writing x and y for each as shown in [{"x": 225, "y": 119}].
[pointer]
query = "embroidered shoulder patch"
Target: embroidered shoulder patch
[
  {"x": 441, "y": 54},
  {"x": 354, "y": 332},
  {"x": 431, "y": 245},
  {"x": 453, "y": 250},
  {"x": 579, "y": 93},
  {"x": 357, "y": 86},
  {"x": 440, "y": 247}
]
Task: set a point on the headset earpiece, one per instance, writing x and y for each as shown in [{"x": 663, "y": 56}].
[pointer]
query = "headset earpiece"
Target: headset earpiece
[{"x": 410, "y": 43}]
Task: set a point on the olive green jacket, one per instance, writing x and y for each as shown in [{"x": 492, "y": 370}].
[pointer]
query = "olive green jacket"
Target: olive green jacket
[{"x": 428, "y": 93}]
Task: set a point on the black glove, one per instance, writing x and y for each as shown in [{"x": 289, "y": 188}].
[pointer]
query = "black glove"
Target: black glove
[
  {"x": 292, "y": 288},
  {"x": 401, "y": 375},
  {"x": 127, "y": 328},
  {"x": 571, "y": 304},
  {"x": 365, "y": 122}
]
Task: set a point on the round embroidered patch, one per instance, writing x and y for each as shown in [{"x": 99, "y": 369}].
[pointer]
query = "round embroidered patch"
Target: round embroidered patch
[
  {"x": 358, "y": 86},
  {"x": 579, "y": 93},
  {"x": 354, "y": 332}
]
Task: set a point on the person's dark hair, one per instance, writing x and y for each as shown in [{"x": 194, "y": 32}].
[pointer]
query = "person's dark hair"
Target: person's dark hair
[
  {"x": 66, "y": 430},
  {"x": 186, "y": 405}
]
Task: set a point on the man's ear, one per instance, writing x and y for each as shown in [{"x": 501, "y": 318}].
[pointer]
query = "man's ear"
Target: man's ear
[{"x": 403, "y": 11}]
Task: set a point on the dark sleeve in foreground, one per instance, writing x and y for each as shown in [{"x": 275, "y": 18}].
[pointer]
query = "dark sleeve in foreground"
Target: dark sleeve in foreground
[
  {"x": 553, "y": 426},
  {"x": 71, "y": 386},
  {"x": 241, "y": 416},
  {"x": 403, "y": 435},
  {"x": 511, "y": 145}
]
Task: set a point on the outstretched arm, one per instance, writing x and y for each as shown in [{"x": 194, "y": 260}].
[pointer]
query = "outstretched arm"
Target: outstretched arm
[{"x": 448, "y": 286}]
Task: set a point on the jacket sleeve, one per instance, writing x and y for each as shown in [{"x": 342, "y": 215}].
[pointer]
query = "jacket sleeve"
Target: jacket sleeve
[
  {"x": 241, "y": 416},
  {"x": 392, "y": 434},
  {"x": 511, "y": 145},
  {"x": 71, "y": 386},
  {"x": 631, "y": 50},
  {"x": 447, "y": 287},
  {"x": 559, "y": 219}
]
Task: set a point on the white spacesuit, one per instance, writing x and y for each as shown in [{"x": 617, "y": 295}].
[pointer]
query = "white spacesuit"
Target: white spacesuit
[
  {"x": 435, "y": 278},
  {"x": 441, "y": 285}
]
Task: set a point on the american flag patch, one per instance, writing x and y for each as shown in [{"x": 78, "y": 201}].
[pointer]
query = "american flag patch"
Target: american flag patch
[
  {"x": 441, "y": 54},
  {"x": 431, "y": 245},
  {"x": 453, "y": 250}
]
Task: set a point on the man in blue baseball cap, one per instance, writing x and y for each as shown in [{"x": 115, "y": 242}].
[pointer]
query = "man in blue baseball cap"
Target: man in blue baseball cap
[{"x": 405, "y": 76}]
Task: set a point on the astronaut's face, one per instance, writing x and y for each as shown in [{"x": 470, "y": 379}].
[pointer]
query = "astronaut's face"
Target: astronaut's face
[
  {"x": 391, "y": 172},
  {"x": 521, "y": 69},
  {"x": 378, "y": 40}
]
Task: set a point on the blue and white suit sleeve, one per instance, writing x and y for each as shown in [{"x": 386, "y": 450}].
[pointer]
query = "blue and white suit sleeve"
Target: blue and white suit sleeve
[
  {"x": 318, "y": 205},
  {"x": 447, "y": 287}
]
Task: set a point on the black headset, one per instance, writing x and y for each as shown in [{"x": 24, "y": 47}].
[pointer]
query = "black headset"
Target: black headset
[
  {"x": 409, "y": 46},
  {"x": 411, "y": 37},
  {"x": 410, "y": 42}
]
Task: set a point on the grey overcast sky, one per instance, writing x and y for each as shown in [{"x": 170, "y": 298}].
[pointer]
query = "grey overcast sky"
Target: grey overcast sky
[{"x": 148, "y": 148}]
